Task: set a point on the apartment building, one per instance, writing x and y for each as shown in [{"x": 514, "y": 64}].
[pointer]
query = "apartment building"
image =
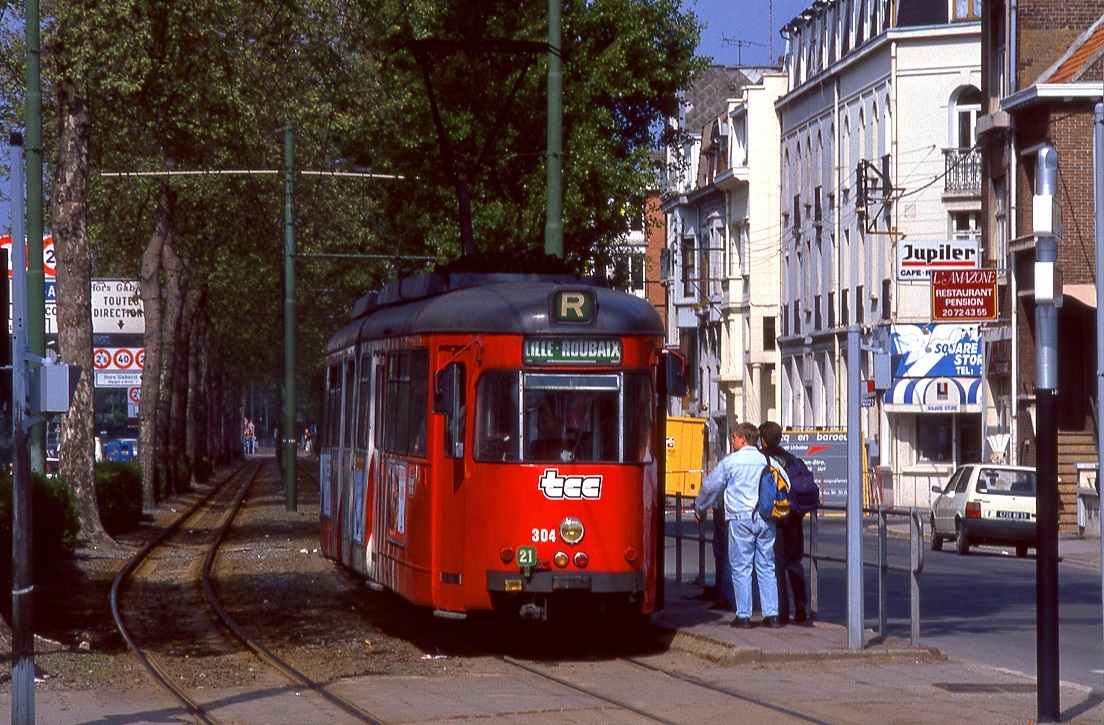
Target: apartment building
[{"x": 880, "y": 185}]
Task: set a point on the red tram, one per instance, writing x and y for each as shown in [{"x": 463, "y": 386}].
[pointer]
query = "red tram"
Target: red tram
[{"x": 492, "y": 441}]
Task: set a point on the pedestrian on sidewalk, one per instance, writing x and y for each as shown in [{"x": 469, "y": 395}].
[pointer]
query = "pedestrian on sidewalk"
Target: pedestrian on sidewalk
[
  {"x": 750, "y": 536},
  {"x": 789, "y": 541}
]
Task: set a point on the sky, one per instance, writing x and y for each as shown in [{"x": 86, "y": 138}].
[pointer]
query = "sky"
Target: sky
[{"x": 747, "y": 21}]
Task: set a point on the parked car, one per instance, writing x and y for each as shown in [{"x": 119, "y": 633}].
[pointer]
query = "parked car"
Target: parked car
[{"x": 985, "y": 504}]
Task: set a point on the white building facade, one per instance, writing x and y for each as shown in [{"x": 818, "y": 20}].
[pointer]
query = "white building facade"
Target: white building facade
[
  {"x": 721, "y": 208},
  {"x": 880, "y": 185}
]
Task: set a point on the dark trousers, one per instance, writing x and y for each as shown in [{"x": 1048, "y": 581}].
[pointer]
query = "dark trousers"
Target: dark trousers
[
  {"x": 725, "y": 591},
  {"x": 789, "y": 567}
]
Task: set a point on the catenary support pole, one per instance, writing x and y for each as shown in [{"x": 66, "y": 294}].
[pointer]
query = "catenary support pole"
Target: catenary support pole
[
  {"x": 22, "y": 708},
  {"x": 1047, "y": 297},
  {"x": 553, "y": 224},
  {"x": 287, "y": 432},
  {"x": 854, "y": 490},
  {"x": 36, "y": 292},
  {"x": 1098, "y": 197}
]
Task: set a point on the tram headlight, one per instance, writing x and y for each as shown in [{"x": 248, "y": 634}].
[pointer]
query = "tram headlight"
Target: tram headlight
[{"x": 571, "y": 530}]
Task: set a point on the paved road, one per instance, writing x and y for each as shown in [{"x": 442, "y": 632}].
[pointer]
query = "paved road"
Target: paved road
[{"x": 979, "y": 607}]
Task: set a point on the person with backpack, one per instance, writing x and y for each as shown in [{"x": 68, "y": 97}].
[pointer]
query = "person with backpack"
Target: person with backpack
[
  {"x": 789, "y": 542},
  {"x": 736, "y": 480}
]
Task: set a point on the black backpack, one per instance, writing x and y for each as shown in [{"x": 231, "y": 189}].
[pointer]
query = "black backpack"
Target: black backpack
[{"x": 804, "y": 492}]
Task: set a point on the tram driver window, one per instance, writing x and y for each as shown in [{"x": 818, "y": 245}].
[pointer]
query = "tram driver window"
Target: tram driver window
[
  {"x": 496, "y": 417},
  {"x": 406, "y": 398}
]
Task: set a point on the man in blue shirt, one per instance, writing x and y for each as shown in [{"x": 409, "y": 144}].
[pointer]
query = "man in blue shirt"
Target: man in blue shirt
[{"x": 750, "y": 537}]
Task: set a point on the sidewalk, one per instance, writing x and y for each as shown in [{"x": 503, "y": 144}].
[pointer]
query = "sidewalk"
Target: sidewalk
[{"x": 945, "y": 689}]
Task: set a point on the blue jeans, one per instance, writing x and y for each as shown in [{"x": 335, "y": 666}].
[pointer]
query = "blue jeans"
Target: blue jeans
[{"x": 751, "y": 546}]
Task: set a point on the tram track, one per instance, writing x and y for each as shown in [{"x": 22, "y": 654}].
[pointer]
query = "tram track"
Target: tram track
[
  {"x": 214, "y": 502},
  {"x": 543, "y": 672}
]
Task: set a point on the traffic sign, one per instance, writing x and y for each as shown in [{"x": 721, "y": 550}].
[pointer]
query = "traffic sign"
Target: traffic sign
[
  {"x": 140, "y": 359},
  {"x": 123, "y": 358},
  {"x": 101, "y": 359},
  {"x": 49, "y": 258},
  {"x": 134, "y": 395}
]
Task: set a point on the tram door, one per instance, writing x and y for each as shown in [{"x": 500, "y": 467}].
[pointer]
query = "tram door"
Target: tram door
[
  {"x": 343, "y": 524},
  {"x": 373, "y": 499}
]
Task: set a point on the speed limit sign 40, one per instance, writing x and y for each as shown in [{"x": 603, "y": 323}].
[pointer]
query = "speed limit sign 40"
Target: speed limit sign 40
[{"x": 123, "y": 358}]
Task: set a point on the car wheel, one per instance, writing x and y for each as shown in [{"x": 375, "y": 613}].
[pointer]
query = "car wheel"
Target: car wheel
[
  {"x": 962, "y": 544},
  {"x": 1021, "y": 550},
  {"x": 936, "y": 539}
]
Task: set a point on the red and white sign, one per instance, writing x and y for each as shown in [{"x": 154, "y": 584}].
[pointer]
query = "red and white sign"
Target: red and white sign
[
  {"x": 964, "y": 295},
  {"x": 101, "y": 359},
  {"x": 123, "y": 358},
  {"x": 134, "y": 395},
  {"x": 140, "y": 359},
  {"x": 49, "y": 258},
  {"x": 118, "y": 358}
]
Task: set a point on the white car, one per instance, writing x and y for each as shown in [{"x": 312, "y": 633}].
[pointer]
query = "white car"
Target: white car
[{"x": 985, "y": 504}]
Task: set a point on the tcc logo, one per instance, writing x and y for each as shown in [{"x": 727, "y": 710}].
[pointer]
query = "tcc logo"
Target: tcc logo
[{"x": 554, "y": 486}]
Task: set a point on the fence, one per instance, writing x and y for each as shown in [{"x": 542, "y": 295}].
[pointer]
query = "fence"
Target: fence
[{"x": 700, "y": 534}]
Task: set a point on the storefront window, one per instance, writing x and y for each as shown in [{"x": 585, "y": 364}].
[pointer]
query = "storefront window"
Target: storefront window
[{"x": 948, "y": 439}]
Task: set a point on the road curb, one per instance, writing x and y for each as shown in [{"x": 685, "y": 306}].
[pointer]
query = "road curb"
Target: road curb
[{"x": 723, "y": 653}]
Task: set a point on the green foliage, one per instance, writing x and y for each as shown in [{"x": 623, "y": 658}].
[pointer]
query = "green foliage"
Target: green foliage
[
  {"x": 198, "y": 85},
  {"x": 54, "y": 524},
  {"x": 119, "y": 495}
]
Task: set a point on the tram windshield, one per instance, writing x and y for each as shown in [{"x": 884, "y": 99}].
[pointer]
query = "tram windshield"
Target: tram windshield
[{"x": 564, "y": 417}]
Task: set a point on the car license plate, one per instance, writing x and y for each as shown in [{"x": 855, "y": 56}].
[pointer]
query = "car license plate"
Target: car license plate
[
  {"x": 527, "y": 556},
  {"x": 1013, "y": 515}
]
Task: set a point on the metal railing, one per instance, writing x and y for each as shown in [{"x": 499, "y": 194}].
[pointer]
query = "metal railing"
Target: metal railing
[
  {"x": 701, "y": 534},
  {"x": 913, "y": 569},
  {"x": 962, "y": 170}
]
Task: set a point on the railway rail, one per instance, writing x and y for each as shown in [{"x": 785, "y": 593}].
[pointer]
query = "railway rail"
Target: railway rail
[
  {"x": 217, "y": 503},
  {"x": 621, "y": 702}
]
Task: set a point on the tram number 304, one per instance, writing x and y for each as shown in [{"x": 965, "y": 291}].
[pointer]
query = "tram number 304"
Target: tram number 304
[{"x": 544, "y": 535}]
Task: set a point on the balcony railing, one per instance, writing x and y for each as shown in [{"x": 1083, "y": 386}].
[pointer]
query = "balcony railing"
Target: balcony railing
[{"x": 963, "y": 171}]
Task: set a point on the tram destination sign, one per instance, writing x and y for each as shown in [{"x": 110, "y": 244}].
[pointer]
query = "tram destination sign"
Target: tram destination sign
[
  {"x": 964, "y": 295},
  {"x": 571, "y": 351}
]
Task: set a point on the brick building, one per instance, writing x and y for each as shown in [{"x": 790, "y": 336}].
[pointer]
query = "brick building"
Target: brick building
[{"x": 1041, "y": 77}]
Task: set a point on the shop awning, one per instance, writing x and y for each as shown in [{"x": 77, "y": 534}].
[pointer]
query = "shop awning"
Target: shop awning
[{"x": 934, "y": 395}]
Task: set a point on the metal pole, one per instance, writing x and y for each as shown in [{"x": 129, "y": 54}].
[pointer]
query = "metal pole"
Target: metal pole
[
  {"x": 22, "y": 581},
  {"x": 1046, "y": 435},
  {"x": 553, "y": 225},
  {"x": 36, "y": 295},
  {"x": 854, "y": 491},
  {"x": 1098, "y": 196},
  {"x": 288, "y": 427}
]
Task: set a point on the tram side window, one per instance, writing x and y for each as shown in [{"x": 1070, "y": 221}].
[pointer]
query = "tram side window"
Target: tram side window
[
  {"x": 496, "y": 418},
  {"x": 350, "y": 397},
  {"x": 406, "y": 398},
  {"x": 364, "y": 419},
  {"x": 639, "y": 409},
  {"x": 333, "y": 407}
]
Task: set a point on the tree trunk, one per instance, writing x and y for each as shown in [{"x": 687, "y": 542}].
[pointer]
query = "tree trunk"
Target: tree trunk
[
  {"x": 175, "y": 284},
  {"x": 182, "y": 408},
  {"x": 150, "y": 285},
  {"x": 77, "y": 449}
]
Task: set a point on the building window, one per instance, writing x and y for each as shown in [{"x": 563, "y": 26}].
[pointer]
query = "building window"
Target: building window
[
  {"x": 769, "y": 336},
  {"x": 831, "y": 310},
  {"x": 845, "y": 313},
  {"x": 687, "y": 258},
  {"x": 967, "y": 10},
  {"x": 816, "y": 313},
  {"x": 886, "y": 308},
  {"x": 860, "y": 306},
  {"x": 797, "y": 317}
]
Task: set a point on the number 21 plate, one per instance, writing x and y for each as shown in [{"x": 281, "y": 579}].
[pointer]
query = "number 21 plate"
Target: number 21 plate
[{"x": 527, "y": 556}]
